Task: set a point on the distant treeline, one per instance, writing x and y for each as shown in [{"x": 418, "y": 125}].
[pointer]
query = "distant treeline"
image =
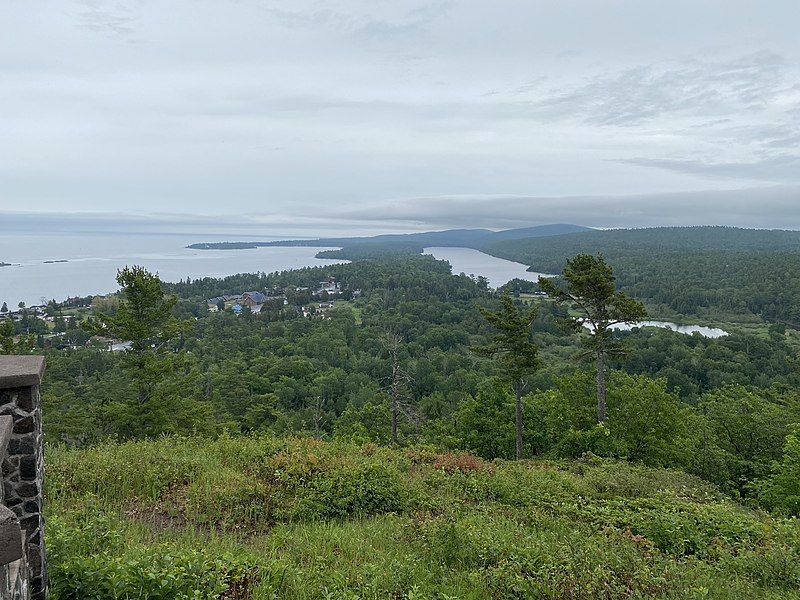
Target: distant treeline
[
  {"x": 713, "y": 272},
  {"x": 692, "y": 270}
]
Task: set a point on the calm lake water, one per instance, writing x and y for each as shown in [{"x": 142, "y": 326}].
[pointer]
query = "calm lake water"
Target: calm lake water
[
  {"x": 93, "y": 260},
  {"x": 709, "y": 332},
  {"x": 473, "y": 262}
]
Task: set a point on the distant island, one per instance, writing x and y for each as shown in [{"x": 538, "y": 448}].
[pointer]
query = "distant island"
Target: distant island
[
  {"x": 50, "y": 262},
  {"x": 238, "y": 245},
  {"x": 5, "y": 264},
  {"x": 469, "y": 238}
]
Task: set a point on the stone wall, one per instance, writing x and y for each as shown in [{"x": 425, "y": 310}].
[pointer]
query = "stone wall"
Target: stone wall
[{"x": 23, "y": 474}]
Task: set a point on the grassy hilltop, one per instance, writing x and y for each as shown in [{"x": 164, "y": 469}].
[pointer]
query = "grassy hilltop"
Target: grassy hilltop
[{"x": 265, "y": 517}]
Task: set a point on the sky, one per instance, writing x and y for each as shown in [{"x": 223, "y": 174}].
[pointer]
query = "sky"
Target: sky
[{"x": 320, "y": 117}]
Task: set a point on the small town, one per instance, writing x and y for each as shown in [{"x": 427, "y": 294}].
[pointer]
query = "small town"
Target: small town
[{"x": 59, "y": 324}]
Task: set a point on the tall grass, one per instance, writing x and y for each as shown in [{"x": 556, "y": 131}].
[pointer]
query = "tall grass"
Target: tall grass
[{"x": 264, "y": 517}]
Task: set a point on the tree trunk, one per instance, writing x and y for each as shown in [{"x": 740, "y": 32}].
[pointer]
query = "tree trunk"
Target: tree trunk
[
  {"x": 394, "y": 419},
  {"x": 601, "y": 387},
  {"x": 317, "y": 417},
  {"x": 518, "y": 424},
  {"x": 142, "y": 394}
]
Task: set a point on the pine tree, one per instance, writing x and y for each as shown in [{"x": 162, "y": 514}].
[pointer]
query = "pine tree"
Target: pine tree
[
  {"x": 144, "y": 318},
  {"x": 516, "y": 353},
  {"x": 591, "y": 292}
]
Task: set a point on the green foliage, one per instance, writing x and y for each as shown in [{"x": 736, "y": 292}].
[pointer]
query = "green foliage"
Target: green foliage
[
  {"x": 511, "y": 343},
  {"x": 441, "y": 526},
  {"x": 143, "y": 318},
  {"x": 11, "y": 343},
  {"x": 485, "y": 424},
  {"x": 346, "y": 491},
  {"x": 692, "y": 270},
  {"x": 749, "y": 429},
  {"x": 517, "y": 355},
  {"x": 781, "y": 490},
  {"x": 88, "y": 559},
  {"x": 645, "y": 422}
]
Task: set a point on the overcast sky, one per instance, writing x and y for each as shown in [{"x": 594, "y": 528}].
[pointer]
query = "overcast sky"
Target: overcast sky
[{"x": 403, "y": 114}]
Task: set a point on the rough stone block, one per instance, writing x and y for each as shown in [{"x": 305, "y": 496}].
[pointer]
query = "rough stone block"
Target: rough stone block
[
  {"x": 27, "y": 489},
  {"x": 6, "y": 425},
  {"x": 10, "y": 465},
  {"x": 21, "y": 371},
  {"x": 21, "y": 446},
  {"x": 27, "y": 468},
  {"x": 24, "y": 425},
  {"x": 25, "y": 398},
  {"x": 10, "y": 540},
  {"x": 30, "y": 524}
]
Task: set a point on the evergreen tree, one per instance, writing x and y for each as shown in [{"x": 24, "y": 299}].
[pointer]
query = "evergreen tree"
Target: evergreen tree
[
  {"x": 144, "y": 318},
  {"x": 516, "y": 353},
  {"x": 8, "y": 345},
  {"x": 4, "y": 308},
  {"x": 591, "y": 292}
]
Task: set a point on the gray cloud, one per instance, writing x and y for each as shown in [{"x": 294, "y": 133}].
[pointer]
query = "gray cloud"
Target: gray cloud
[
  {"x": 694, "y": 87},
  {"x": 777, "y": 208},
  {"x": 309, "y": 108},
  {"x": 108, "y": 18},
  {"x": 784, "y": 167}
]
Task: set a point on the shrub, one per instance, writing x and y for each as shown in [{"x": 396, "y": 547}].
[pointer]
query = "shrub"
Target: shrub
[
  {"x": 348, "y": 491},
  {"x": 461, "y": 463},
  {"x": 81, "y": 570},
  {"x": 781, "y": 491}
]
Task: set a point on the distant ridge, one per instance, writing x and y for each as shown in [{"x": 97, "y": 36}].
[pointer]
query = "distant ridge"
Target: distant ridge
[{"x": 470, "y": 238}]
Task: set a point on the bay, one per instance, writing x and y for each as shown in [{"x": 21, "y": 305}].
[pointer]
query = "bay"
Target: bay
[
  {"x": 498, "y": 271},
  {"x": 92, "y": 261}
]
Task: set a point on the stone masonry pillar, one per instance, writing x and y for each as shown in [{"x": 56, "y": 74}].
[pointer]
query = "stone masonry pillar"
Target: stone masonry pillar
[{"x": 23, "y": 466}]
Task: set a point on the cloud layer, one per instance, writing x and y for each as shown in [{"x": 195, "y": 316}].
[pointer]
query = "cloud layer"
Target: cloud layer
[{"x": 328, "y": 112}]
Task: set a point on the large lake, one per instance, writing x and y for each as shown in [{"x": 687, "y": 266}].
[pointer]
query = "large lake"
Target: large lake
[
  {"x": 474, "y": 262},
  {"x": 93, "y": 260}
]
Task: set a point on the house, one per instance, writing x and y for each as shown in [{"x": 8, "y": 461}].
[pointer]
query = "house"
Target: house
[
  {"x": 326, "y": 305},
  {"x": 251, "y": 299},
  {"x": 329, "y": 286}
]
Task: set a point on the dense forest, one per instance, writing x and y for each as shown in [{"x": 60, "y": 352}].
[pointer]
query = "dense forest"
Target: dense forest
[
  {"x": 718, "y": 273},
  {"x": 709, "y": 271}
]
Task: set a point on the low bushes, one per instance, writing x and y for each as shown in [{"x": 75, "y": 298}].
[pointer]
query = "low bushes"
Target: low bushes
[{"x": 90, "y": 560}]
